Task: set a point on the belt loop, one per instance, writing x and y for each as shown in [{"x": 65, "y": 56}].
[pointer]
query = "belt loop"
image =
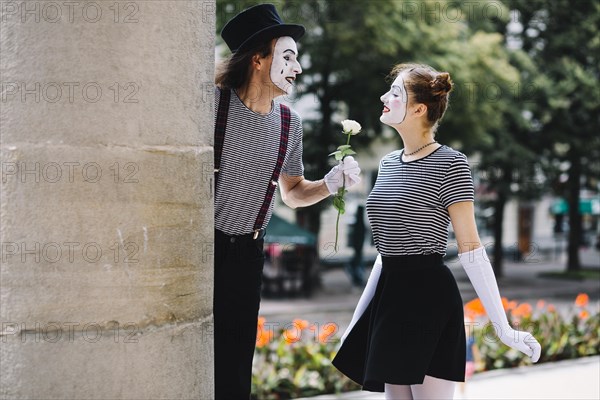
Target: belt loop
[{"x": 256, "y": 232}]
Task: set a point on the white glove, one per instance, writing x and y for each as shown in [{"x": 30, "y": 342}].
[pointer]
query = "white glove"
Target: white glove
[
  {"x": 480, "y": 273},
  {"x": 366, "y": 296},
  {"x": 349, "y": 168}
]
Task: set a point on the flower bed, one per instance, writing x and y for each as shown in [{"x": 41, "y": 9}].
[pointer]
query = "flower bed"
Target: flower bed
[
  {"x": 295, "y": 360},
  {"x": 562, "y": 337}
]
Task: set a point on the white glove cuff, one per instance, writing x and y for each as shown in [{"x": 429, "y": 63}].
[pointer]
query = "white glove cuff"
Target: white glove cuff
[
  {"x": 474, "y": 258},
  {"x": 333, "y": 179},
  {"x": 332, "y": 189}
]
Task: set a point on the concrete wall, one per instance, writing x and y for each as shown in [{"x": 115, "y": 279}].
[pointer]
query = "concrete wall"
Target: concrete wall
[{"x": 106, "y": 200}]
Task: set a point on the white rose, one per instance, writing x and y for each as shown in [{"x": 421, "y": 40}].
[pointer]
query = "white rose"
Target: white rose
[{"x": 351, "y": 126}]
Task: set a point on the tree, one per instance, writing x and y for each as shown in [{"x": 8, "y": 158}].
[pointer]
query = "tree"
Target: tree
[
  {"x": 562, "y": 37},
  {"x": 509, "y": 164}
]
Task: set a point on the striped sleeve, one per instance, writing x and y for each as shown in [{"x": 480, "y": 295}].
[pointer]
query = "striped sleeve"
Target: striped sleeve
[{"x": 457, "y": 184}]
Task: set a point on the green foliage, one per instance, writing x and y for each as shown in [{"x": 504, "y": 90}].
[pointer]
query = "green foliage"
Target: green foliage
[
  {"x": 574, "y": 275},
  {"x": 342, "y": 151},
  {"x": 300, "y": 367},
  {"x": 338, "y": 201},
  {"x": 560, "y": 338},
  {"x": 563, "y": 39}
]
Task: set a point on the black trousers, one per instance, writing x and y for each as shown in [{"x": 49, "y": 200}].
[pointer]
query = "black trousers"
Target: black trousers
[{"x": 239, "y": 264}]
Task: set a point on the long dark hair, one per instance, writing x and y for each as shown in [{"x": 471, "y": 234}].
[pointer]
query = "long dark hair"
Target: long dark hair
[{"x": 234, "y": 71}]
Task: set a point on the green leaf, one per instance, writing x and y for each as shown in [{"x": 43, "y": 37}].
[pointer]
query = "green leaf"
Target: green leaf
[
  {"x": 344, "y": 147},
  {"x": 335, "y": 153},
  {"x": 348, "y": 152},
  {"x": 339, "y": 156},
  {"x": 336, "y": 202},
  {"x": 339, "y": 204}
]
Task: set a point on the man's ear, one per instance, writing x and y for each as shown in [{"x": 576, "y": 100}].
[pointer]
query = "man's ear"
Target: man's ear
[{"x": 257, "y": 62}]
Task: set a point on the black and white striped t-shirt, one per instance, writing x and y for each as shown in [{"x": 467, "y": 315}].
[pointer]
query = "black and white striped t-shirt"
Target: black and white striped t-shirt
[
  {"x": 407, "y": 207},
  {"x": 249, "y": 155}
]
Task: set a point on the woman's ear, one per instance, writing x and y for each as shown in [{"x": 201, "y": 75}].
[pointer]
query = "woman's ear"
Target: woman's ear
[{"x": 420, "y": 110}]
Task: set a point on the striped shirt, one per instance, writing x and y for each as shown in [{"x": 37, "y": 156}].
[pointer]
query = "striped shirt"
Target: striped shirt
[
  {"x": 408, "y": 206},
  {"x": 249, "y": 156}
]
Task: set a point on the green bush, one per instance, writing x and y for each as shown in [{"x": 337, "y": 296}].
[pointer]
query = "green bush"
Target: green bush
[
  {"x": 297, "y": 363},
  {"x": 561, "y": 338}
]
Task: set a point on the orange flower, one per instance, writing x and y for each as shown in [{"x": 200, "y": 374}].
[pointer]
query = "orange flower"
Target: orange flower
[
  {"x": 292, "y": 335},
  {"x": 582, "y": 300},
  {"x": 300, "y": 323},
  {"x": 505, "y": 303},
  {"x": 470, "y": 316},
  {"x": 583, "y": 314},
  {"x": 511, "y": 305},
  {"x": 540, "y": 304},
  {"x": 261, "y": 321},
  {"x": 474, "y": 308},
  {"x": 263, "y": 336},
  {"x": 523, "y": 310},
  {"x": 551, "y": 308},
  {"x": 326, "y": 332}
]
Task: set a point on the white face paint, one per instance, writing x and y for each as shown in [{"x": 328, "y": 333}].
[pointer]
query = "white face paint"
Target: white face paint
[
  {"x": 395, "y": 102},
  {"x": 285, "y": 66}
]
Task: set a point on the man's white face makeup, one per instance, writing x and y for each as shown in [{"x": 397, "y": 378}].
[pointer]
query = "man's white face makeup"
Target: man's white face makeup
[
  {"x": 395, "y": 102},
  {"x": 285, "y": 66}
]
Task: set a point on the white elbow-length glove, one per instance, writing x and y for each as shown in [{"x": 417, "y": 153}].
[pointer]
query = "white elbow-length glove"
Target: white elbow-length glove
[
  {"x": 334, "y": 178},
  {"x": 366, "y": 296},
  {"x": 480, "y": 273}
]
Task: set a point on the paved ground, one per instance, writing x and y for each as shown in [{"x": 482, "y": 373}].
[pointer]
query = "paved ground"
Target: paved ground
[
  {"x": 563, "y": 380},
  {"x": 573, "y": 379}
]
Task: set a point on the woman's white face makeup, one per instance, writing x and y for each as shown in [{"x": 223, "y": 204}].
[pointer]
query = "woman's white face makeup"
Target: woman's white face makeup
[
  {"x": 395, "y": 102},
  {"x": 285, "y": 65}
]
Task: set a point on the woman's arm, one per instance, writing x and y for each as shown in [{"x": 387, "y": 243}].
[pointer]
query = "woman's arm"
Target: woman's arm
[
  {"x": 479, "y": 270},
  {"x": 462, "y": 215}
]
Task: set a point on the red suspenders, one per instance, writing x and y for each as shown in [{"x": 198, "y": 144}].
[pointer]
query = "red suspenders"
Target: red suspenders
[{"x": 221, "y": 124}]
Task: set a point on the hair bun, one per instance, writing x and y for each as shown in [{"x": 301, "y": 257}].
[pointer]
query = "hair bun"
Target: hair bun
[{"x": 442, "y": 84}]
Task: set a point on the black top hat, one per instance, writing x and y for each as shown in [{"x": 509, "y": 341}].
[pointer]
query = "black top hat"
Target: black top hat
[{"x": 255, "y": 25}]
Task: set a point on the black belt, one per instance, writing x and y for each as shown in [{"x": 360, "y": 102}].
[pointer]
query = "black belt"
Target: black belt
[
  {"x": 416, "y": 261},
  {"x": 257, "y": 234}
]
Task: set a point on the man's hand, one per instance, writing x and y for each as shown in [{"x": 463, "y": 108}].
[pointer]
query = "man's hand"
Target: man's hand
[{"x": 348, "y": 167}]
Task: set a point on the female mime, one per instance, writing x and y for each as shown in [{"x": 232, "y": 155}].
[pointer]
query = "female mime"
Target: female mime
[{"x": 407, "y": 337}]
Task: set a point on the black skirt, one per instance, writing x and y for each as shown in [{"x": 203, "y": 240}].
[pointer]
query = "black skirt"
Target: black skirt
[{"x": 414, "y": 326}]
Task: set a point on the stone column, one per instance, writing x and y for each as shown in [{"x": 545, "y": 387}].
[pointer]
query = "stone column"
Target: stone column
[{"x": 106, "y": 210}]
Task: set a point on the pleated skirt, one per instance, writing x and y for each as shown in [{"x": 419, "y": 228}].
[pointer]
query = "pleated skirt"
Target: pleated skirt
[{"x": 413, "y": 326}]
